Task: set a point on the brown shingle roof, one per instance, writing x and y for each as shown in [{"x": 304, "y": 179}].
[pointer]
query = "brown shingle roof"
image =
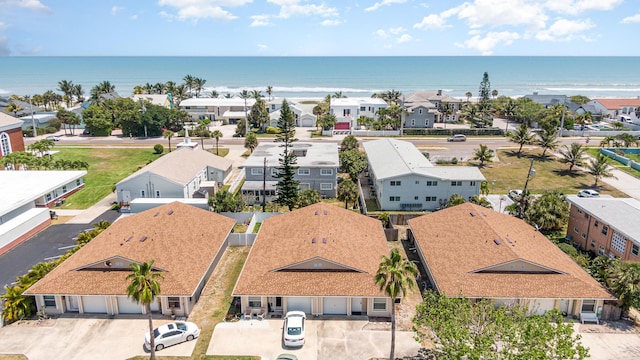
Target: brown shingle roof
[
  {"x": 182, "y": 239},
  {"x": 354, "y": 242},
  {"x": 456, "y": 244},
  {"x": 614, "y": 104}
]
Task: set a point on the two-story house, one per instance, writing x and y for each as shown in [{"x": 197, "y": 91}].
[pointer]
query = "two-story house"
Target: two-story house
[
  {"x": 349, "y": 110},
  {"x": 623, "y": 110},
  {"x": 404, "y": 179},
  {"x": 317, "y": 169},
  {"x": 606, "y": 226},
  {"x": 424, "y": 108},
  {"x": 227, "y": 110}
]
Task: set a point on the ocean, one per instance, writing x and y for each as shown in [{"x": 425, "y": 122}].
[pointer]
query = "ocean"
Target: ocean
[{"x": 319, "y": 76}]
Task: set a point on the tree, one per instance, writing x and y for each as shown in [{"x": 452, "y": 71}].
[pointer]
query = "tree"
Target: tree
[
  {"x": 484, "y": 93},
  {"x": 270, "y": 91},
  {"x": 287, "y": 188},
  {"x": 483, "y": 154},
  {"x": 468, "y": 94},
  {"x": 455, "y": 199},
  {"x": 627, "y": 139},
  {"x": 624, "y": 283},
  {"x": 482, "y": 201},
  {"x": 14, "y": 108},
  {"x": 494, "y": 93},
  {"x": 349, "y": 143},
  {"x": 143, "y": 288},
  {"x": 202, "y": 127},
  {"x": 484, "y": 188},
  {"x": 353, "y": 162},
  {"x": 326, "y": 121},
  {"x": 579, "y": 99},
  {"x": 549, "y": 212},
  {"x": 574, "y": 155},
  {"x": 67, "y": 89},
  {"x": 308, "y": 197},
  {"x": 259, "y": 113},
  {"x": 599, "y": 168},
  {"x": 16, "y": 306},
  {"x": 168, "y": 134},
  {"x": 244, "y": 94},
  {"x": 97, "y": 121},
  {"x": 217, "y": 134},
  {"x": 395, "y": 277},
  {"x": 188, "y": 82},
  {"x": 481, "y": 330},
  {"x": 251, "y": 141},
  {"x": 198, "y": 85},
  {"x": 522, "y": 136},
  {"x": 224, "y": 201},
  {"x": 347, "y": 192},
  {"x": 548, "y": 140}
]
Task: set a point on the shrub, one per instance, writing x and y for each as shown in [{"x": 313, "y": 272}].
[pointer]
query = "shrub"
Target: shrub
[
  {"x": 272, "y": 130},
  {"x": 158, "y": 149},
  {"x": 454, "y": 160}
]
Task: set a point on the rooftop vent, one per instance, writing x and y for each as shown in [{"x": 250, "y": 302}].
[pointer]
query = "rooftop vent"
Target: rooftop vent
[
  {"x": 508, "y": 240},
  {"x": 313, "y": 241},
  {"x": 170, "y": 212},
  {"x": 129, "y": 239},
  {"x": 156, "y": 214},
  {"x": 472, "y": 213},
  {"x": 317, "y": 212},
  {"x": 324, "y": 240},
  {"x": 143, "y": 238},
  {"x": 497, "y": 241},
  {"x": 326, "y": 212},
  {"x": 484, "y": 213}
]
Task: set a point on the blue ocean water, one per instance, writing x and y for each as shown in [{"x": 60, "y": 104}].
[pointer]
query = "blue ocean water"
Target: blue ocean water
[{"x": 318, "y": 76}]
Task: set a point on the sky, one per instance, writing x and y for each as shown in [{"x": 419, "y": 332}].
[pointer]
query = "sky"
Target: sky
[{"x": 319, "y": 27}]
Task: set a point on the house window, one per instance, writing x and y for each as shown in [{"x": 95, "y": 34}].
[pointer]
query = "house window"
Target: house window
[
  {"x": 174, "y": 302},
  {"x": 579, "y": 211},
  {"x": 326, "y": 171},
  {"x": 618, "y": 243},
  {"x": 49, "y": 301},
  {"x": 635, "y": 249},
  {"x": 583, "y": 235},
  {"x": 157, "y": 193},
  {"x": 363, "y": 108},
  {"x": 394, "y": 198},
  {"x": 304, "y": 171},
  {"x": 255, "y": 302},
  {"x": 415, "y": 198},
  {"x": 379, "y": 304},
  {"x": 395, "y": 183},
  {"x": 472, "y": 183},
  {"x": 601, "y": 250},
  {"x": 64, "y": 189},
  {"x": 596, "y": 223},
  {"x": 274, "y": 172},
  {"x": 417, "y": 182},
  {"x": 326, "y": 186},
  {"x": 78, "y": 182},
  {"x": 588, "y": 306},
  {"x": 575, "y": 230},
  {"x": 142, "y": 193},
  {"x": 413, "y": 122},
  {"x": 430, "y": 198},
  {"x": 48, "y": 197},
  {"x": 605, "y": 229},
  {"x": 256, "y": 171},
  {"x": 432, "y": 183},
  {"x": 456, "y": 183},
  {"x": 5, "y": 144},
  {"x": 586, "y": 216}
]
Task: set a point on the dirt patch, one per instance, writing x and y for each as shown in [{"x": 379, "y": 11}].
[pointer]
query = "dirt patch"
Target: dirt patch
[{"x": 610, "y": 327}]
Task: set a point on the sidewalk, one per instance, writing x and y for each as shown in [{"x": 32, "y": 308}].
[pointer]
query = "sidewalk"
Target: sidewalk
[{"x": 88, "y": 215}]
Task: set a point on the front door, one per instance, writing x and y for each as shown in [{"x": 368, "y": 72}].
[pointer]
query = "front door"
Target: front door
[
  {"x": 275, "y": 304},
  {"x": 126, "y": 196},
  {"x": 72, "y": 303}
]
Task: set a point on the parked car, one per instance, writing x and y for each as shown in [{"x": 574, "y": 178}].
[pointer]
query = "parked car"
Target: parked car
[
  {"x": 171, "y": 334},
  {"x": 515, "y": 194},
  {"x": 293, "y": 332},
  {"x": 457, "y": 137},
  {"x": 86, "y": 132},
  {"x": 53, "y": 138},
  {"x": 287, "y": 357},
  {"x": 588, "y": 193}
]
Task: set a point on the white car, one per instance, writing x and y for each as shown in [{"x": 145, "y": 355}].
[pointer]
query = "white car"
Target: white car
[
  {"x": 515, "y": 194},
  {"x": 588, "y": 193},
  {"x": 457, "y": 137},
  {"x": 293, "y": 332},
  {"x": 171, "y": 334},
  {"x": 53, "y": 138}
]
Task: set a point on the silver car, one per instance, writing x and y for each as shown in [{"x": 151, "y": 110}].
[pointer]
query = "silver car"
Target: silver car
[{"x": 171, "y": 334}]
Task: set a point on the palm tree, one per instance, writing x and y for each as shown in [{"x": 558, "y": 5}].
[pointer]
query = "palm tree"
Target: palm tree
[
  {"x": 14, "y": 108},
  {"x": 347, "y": 192},
  {"x": 244, "y": 94},
  {"x": 168, "y": 134},
  {"x": 144, "y": 288},
  {"x": 217, "y": 134},
  {"x": 574, "y": 155},
  {"x": 625, "y": 283},
  {"x": 256, "y": 94},
  {"x": 338, "y": 95},
  {"x": 395, "y": 276},
  {"x": 521, "y": 136},
  {"x": 548, "y": 140},
  {"x": 67, "y": 88},
  {"x": 78, "y": 92},
  {"x": 251, "y": 141},
  {"x": 494, "y": 93},
  {"x": 607, "y": 140},
  {"x": 482, "y": 201},
  {"x": 202, "y": 128},
  {"x": 599, "y": 168},
  {"x": 198, "y": 85},
  {"x": 188, "y": 82},
  {"x": 269, "y": 91},
  {"x": 454, "y": 200},
  {"x": 484, "y": 154},
  {"x": 16, "y": 306},
  {"x": 468, "y": 94},
  {"x": 214, "y": 94}
]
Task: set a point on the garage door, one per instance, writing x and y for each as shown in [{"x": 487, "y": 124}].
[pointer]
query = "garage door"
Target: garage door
[
  {"x": 334, "y": 306},
  {"x": 308, "y": 122},
  {"x": 94, "y": 304},
  {"x": 128, "y": 306},
  {"x": 299, "y": 304},
  {"x": 540, "y": 306}
]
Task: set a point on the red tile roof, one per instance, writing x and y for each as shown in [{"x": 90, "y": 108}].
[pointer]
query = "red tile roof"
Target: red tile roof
[{"x": 614, "y": 104}]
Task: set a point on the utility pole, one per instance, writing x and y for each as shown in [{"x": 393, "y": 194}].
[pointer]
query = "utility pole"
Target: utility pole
[
  {"x": 264, "y": 185},
  {"x": 402, "y": 118},
  {"x": 33, "y": 121}
]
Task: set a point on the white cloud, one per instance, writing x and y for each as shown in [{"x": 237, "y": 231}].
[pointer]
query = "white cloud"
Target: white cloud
[
  {"x": 334, "y": 22},
  {"x": 377, "y": 5},
  {"x": 398, "y": 30},
  {"x": 486, "y": 44},
  {"x": 289, "y": 8},
  {"x": 432, "y": 21},
  {"x": 631, "y": 19},
  {"x": 201, "y": 9},
  {"x": 495, "y": 13},
  {"x": 262, "y": 47},
  {"x": 134, "y": 17},
  {"x": 381, "y": 33},
  {"x": 565, "y": 30},
  {"x": 404, "y": 38},
  {"x": 574, "y": 7},
  {"x": 116, "y": 9},
  {"x": 260, "y": 20},
  {"x": 34, "y": 5}
]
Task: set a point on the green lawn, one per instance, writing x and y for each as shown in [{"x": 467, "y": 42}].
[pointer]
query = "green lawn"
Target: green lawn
[
  {"x": 633, "y": 172},
  {"x": 511, "y": 172},
  {"x": 107, "y": 166}
]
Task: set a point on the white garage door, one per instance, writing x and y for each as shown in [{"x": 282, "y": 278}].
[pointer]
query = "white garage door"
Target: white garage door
[
  {"x": 307, "y": 122},
  {"x": 94, "y": 304},
  {"x": 128, "y": 306},
  {"x": 540, "y": 306},
  {"x": 299, "y": 304},
  {"x": 334, "y": 306}
]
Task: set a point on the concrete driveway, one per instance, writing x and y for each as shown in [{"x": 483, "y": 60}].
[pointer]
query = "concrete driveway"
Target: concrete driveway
[
  {"x": 73, "y": 338},
  {"x": 325, "y": 339}
]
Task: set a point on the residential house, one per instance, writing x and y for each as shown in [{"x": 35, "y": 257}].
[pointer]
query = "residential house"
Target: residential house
[
  {"x": 23, "y": 105},
  {"x": 605, "y": 226},
  {"x": 11, "y": 138},
  {"x": 302, "y": 117},
  {"x": 548, "y": 100},
  {"x": 227, "y": 110},
  {"x": 41, "y": 120},
  {"x": 623, "y": 110},
  {"x": 349, "y": 110},
  {"x": 427, "y": 107},
  {"x": 26, "y": 198},
  {"x": 320, "y": 259},
  {"x": 317, "y": 169},
  {"x": 183, "y": 173},
  {"x": 404, "y": 179},
  {"x": 164, "y": 100},
  {"x": 471, "y": 251},
  {"x": 185, "y": 243}
]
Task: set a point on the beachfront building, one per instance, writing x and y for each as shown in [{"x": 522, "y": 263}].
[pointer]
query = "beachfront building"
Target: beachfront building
[
  {"x": 469, "y": 250},
  {"x": 404, "y": 179},
  {"x": 320, "y": 259},
  {"x": 164, "y": 100},
  {"x": 317, "y": 169},
  {"x": 11, "y": 137},
  {"x": 188, "y": 172},
  {"x": 605, "y": 226},
  {"x": 427, "y": 107},
  {"x": 227, "y": 110},
  {"x": 41, "y": 120},
  {"x": 186, "y": 244},
  {"x": 23, "y": 106},
  {"x": 624, "y": 110},
  {"x": 349, "y": 110},
  {"x": 302, "y": 117},
  {"x": 26, "y": 198}
]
